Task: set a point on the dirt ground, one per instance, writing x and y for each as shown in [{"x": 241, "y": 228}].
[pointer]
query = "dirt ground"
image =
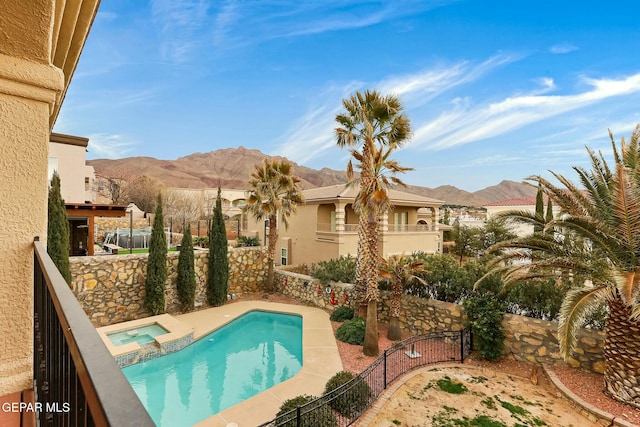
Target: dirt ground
[{"x": 475, "y": 396}]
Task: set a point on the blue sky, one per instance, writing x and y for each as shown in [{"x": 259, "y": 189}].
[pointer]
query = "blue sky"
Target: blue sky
[{"x": 494, "y": 89}]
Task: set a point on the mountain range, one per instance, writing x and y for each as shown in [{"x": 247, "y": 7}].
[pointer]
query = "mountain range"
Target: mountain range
[{"x": 231, "y": 168}]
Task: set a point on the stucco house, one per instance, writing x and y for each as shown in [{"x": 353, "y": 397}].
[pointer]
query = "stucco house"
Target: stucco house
[
  {"x": 527, "y": 204},
  {"x": 326, "y": 226},
  {"x": 45, "y": 334}
]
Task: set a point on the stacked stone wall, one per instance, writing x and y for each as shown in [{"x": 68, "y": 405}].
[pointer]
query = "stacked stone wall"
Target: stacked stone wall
[
  {"x": 527, "y": 339},
  {"x": 110, "y": 288}
]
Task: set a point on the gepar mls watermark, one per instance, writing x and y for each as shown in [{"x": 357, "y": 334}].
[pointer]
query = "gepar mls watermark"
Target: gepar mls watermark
[{"x": 39, "y": 407}]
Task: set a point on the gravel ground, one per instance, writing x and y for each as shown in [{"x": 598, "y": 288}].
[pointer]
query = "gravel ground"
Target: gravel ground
[{"x": 587, "y": 385}]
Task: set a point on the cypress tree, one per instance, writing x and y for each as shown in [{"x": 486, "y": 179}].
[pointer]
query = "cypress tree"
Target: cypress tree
[
  {"x": 58, "y": 246},
  {"x": 537, "y": 228},
  {"x": 549, "y": 216},
  {"x": 218, "y": 261},
  {"x": 156, "y": 264},
  {"x": 186, "y": 281}
]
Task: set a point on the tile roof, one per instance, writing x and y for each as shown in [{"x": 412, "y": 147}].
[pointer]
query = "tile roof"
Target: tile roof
[
  {"x": 341, "y": 191},
  {"x": 519, "y": 201}
]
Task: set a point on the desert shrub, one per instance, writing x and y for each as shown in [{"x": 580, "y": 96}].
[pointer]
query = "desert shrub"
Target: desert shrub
[
  {"x": 351, "y": 399},
  {"x": 341, "y": 314},
  {"x": 484, "y": 318},
  {"x": 341, "y": 269},
  {"x": 202, "y": 241},
  {"x": 246, "y": 241},
  {"x": 313, "y": 415},
  {"x": 352, "y": 331},
  {"x": 540, "y": 299}
]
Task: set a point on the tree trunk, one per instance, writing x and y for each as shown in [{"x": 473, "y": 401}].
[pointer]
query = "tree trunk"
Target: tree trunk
[
  {"x": 271, "y": 249},
  {"x": 370, "y": 347},
  {"x": 360, "y": 279},
  {"x": 622, "y": 355},
  {"x": 394, "y": 333},
  {"x": 394, "y": 318}
]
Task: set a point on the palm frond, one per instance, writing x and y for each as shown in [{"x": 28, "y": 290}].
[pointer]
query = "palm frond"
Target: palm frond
[{"x": 578, "y": 304}]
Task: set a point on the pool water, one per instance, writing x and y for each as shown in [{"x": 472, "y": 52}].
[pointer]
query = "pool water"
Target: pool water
[
  {"x": 142, "y": 335},
  {"x": 243, "y": 358}
]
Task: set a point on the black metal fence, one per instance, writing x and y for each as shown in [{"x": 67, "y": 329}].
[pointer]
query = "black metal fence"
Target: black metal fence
[
  {"x": 344, "y": 405},
  {"x": 76, "y": 380}
]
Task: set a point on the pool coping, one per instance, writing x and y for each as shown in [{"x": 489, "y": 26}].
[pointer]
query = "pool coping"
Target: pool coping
[{"x": 320, "y": 359}]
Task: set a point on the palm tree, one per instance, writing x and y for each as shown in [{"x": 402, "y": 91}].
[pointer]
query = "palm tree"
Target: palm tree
[
  {"x": 273, "y": 191},
  {"x": 598, "y": 238},
  {"x": 372, "y": 126},
  {"x": 400, "y": 269}
]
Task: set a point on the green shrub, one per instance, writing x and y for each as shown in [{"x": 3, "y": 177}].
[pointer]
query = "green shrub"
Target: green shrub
[
  {"x": 540, "y": 299},
  {"x": 202, "y": 241},
  {"x": 341, "y": 269},
  {"x": 353, "y": 398},
  {"x": 352, "y": 331},
  {"x": 246, "y": 241},
  {"x": 484, "y": 317},
  {"x": 341, "y": 314},
  {"x": 311, "y": 416}
]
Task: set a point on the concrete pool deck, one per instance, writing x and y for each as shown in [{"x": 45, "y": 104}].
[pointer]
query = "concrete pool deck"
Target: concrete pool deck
[{"x": 321, "y": 359}]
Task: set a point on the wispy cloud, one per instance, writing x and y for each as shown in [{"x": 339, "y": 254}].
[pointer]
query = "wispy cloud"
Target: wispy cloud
[
  {"x": 315, "y": 128},
  {"x": 490, "y": 120},
  {"x": 180, "y": 25},
  {"x": 110, "y": 146},
  {"x": 562, "y": 48},
  {"x": 267, "y": 20},
  {"x": 106, "y": 16}
]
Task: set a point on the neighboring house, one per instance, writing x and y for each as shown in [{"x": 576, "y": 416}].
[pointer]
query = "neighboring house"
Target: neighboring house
[
  {"x": 67, "y": 156},
  {"x": 326, "y": 226},
  {"x": 41, "y": 45},
  {"x": 527, "y": 204}
]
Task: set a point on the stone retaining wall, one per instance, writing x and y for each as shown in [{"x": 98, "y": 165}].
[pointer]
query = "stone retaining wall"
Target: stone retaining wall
[
  {"x": 110, "y": 288},
  {"x": 527, "y": 339}
]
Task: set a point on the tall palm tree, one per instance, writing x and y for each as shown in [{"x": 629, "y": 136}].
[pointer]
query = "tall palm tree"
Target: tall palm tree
[
  {"x": 273, "y": 192},
  {"x": 601, "y": 222},
  {"x": 372, "y": 126},
  {"x": 400, "y": 269}
]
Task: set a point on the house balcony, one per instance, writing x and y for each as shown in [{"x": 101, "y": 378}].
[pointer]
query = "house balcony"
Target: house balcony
[
  {"x": 391, "y": 228},
  {"x": 76, "y": 380}
]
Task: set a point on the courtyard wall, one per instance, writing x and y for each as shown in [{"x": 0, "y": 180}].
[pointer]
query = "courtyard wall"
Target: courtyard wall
[
  {"x": 527, "y": 339},
  {"x": 110, "y": 288}
]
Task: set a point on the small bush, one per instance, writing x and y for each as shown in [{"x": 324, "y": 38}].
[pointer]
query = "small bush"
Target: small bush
[
  {"x": 341, "y": 269},
  {"x": 246, "y": 241},
  {"x": 352, "y": 331},
  {"x": 311, "y": 416},
  {"x": 352, "y": 399},
  {"x": 341, "y": 314},
  {"x": 485, "y": 320}
]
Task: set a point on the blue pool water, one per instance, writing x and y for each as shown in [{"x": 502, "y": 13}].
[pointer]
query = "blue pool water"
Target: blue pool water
[
  {"x": 142, "y": 335},
  {"x": 239, "y": 360}
]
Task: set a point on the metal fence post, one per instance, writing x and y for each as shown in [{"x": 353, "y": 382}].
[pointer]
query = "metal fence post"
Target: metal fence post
[
  {"x": 298, "y": 416},
  {"x": 461, "y": 345},
  {"x": 384, "y": 369}
]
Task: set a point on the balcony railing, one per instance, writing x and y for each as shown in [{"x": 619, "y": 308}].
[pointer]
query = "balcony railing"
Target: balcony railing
[
  {"x": 331, "y": 228},
  {"x": 76, "y": 380},
  {"x": 391, "y": 228},
  {"x": 405, "y": 228}
]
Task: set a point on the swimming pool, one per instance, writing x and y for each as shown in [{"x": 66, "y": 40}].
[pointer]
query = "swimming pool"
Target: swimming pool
[{"x": 243, "y": 358}]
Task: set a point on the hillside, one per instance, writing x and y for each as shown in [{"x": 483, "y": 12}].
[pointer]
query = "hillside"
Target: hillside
[{"x": 231, "y": 168}]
